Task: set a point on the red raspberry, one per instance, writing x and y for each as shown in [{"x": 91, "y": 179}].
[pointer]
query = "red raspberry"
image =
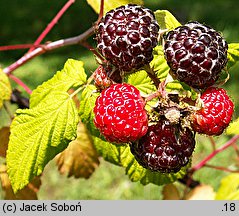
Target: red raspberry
[
  {"x": 196, "y": 54},
  {"x": 166, "y": 147},
  {"x": 127, "y": 35},
  {"x": 215, "y": 114},
  {"x": 119, "y": 113}
]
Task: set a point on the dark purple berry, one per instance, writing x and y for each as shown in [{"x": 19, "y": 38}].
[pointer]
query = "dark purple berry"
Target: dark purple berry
[
  {"x": 165, "y": 147},
  {"x": 127, "y": 35},
  {"x": 196, "y": 54}
]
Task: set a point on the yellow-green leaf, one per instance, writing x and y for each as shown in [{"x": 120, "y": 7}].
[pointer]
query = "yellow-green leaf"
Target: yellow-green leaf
[
  {"x": 159, "y": 64},
  {"x": 142, "y": 82},
  {"x": 87, "y": 103},
  {"x": 166, "y": 20},
  {"x": 233, "y": 128},
  {"x": 229, "y": 188},
  {"x": 38, "y": 134},
  {"x": 232, "y": 54},
  {"x": 111, "y": 4},
  {"x": 5, "y": 88},
  {"x": 72, "y": 75}
]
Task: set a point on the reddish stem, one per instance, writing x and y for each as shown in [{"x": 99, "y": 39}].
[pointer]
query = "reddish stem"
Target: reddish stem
[
  {"x": 236, "y": 149},
  {"x": 21, "y": 83},
  {"x": 51, "y": 24},
  {"x": 101, "y": 13},
  {"x": 221, "y": 168},
  {"x": 214, "y": 153},
  {"x": 92, "y": 49},
  {"x": 17, "y": 46},
  {"x": 213, "y": 143},
  {"x": 48, "y": 47}
]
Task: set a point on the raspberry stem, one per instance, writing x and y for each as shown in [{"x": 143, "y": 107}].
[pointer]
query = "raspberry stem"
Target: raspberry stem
[
  {"x": 152, "y": 75},
  {"x": 77, "y": 91},
  {"x": 222, "y": 168},
  {"x": 213, "y": 143},
  {"x": 214, "y": 153},
  {"x": 152, "y": 96},
  {"x": 20, "y": 83},
  {"x": 48, "y": 47},
  {"x": 53, "y": 22}
]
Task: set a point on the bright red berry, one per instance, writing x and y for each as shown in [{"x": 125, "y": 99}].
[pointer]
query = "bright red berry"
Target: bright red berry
[
  {"x": 196, "y": 54},
  {"x": 216, "y": 112},
  {"x": 127, "y": 35},
  {"x": 166, "y": 147},
  {"x": 119, "y": 113}
]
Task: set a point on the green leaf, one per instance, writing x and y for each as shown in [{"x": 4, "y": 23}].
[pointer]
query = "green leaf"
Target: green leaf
[
  {"x": 135, "y": 171},
  {"x": 232, "y": 54},
  {"x": 183, "y": 89},
  {"x": 113, "y": 153},
  {"x": 159, "y": 64},
  {"x": 111, "y": 4},
  {"x": 38, "y": 134},
  {"x": 229, "y": 188},
  {"x": 142, "y": 82},
  {"x": 87, "y": 103},
  {"x": 233, "y": 128},
  {"x": 72, "y": 75},
  {"x": 166, "y": 20},
  {"x": 5, "y": 88}
]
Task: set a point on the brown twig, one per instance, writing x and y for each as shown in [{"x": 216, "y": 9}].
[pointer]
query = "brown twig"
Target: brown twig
[{"x": 48, "y": 47}]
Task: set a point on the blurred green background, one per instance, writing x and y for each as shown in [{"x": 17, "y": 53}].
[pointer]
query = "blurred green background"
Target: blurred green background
[{"x": 22, "y": 22}]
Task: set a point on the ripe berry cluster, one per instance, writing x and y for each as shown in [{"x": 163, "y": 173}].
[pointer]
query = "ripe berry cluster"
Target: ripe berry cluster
[
  {"x": 162, "y": 137},
  {"x": 197, "y": 54}
]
